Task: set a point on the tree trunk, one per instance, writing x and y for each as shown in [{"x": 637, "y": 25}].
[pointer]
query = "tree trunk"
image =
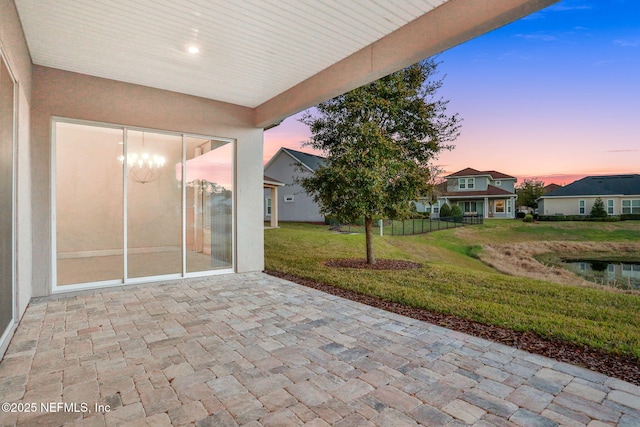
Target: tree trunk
[{"x": 368, "y": 226}]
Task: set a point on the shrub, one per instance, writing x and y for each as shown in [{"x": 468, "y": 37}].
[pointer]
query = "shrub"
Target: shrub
[
  {"x": 445, "y": 210},
  {"x": 456, "y": 211},
  {"x": 528, "y": 218},
  {"x": 520, "y": 215},
  {"x": 598, "y": 210}
]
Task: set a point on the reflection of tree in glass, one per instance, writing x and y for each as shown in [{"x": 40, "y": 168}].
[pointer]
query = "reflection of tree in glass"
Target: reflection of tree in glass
[
  {"x": 204, "y": 186},
  {"x": 599, "y": 265}
]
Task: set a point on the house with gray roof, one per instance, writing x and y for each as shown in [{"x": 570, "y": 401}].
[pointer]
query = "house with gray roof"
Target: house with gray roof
[
  {"x": 293, "y": 203},
  {"x": 620, "y": 194},
  {"x": 489, "y": 194}
]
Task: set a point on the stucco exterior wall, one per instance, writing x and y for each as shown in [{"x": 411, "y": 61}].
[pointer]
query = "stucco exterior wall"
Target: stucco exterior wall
[
  {"x": 569, "y": 205},
  {"x": 284, "y": 168},
  {"x": 77, "y": 96}
]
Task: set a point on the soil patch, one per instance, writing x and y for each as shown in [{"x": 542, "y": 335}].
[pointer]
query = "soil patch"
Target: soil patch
[
  {"x": 623, "y": 367},
  {"x": 381, "y": 264},
  {"x": 517, "y": 259}
]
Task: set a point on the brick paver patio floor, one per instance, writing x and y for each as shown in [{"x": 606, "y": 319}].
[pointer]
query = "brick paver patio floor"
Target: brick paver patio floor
[{"x": 254, "y": 350}]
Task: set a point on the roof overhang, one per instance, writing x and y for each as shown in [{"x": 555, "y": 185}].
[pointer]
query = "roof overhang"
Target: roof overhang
[{"x": 275, "y": 58}]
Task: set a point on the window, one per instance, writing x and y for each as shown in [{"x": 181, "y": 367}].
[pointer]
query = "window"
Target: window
[
  {"x": 499, "y": 206},
  {"x": 631, "y": 206},
  {"x": 288, "y": 198},
  {"x": 466, "y": 183},
  {"x": 436, "y": 207},
  {"x": 610, "y": 207},
  {"x": 498, "y": 183},
  {"x": 470, "y": 207},
  {"x": 267, "y": 207},
  {"x": 581, "y": 207},
  {"x": 508, "y": 206}
]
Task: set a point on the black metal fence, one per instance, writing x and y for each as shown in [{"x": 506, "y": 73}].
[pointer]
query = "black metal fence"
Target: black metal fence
[
  {"x": 428, "y": 225},
  {"x": 409, "y": 226}
]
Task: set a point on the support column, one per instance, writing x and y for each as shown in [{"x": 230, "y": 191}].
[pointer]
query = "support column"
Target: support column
[
  {"x": 486, "y": 207},
  {"x": 274, "y": 207}
]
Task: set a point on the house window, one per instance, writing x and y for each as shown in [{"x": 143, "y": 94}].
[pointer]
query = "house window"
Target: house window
[
  {"x": 288, "y": 198},
  {"x": 436, "y": 208},
  {"x": 470, "y": 208},
  {"x": 498, "y": 183},
  {"x": 631, "y": 206},
  {"x": 508, "y": 206},
  {"x": 499, "y": 206},
  {"x": 466, "y": 183},
  {"x": 267, "y": 206},
  {"x": 581, "y": 207},
  {"x": 610, "y": 207}
]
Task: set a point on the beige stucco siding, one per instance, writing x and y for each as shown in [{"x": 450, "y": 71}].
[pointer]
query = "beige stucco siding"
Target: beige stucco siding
[
  {"x": 570, "y": 205},
  {"x": 77, "y": 96}
]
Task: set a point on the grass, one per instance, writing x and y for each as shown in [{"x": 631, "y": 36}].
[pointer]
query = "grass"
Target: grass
[{"x": 453, "y": 281}]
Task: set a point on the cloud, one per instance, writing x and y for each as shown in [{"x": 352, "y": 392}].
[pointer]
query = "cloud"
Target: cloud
[
  {"x": 541, "y": 37},
  {"x": 622, "y": 151},
  {"x": 627, "y": 42},
  {"x": 602, "y": 63},
  {"x": 565, "y": 7}
]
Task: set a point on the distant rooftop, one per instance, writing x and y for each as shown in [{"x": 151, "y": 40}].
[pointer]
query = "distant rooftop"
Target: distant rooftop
[
  {"x": 607, "y": 185},
  {"x": 312, "y": 161},
  {"x": 474, "y": 172}
]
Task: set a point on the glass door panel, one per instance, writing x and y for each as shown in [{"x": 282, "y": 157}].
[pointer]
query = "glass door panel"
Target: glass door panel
[
  {"x": 209, "y": 177},
  {"x": 154, "y": 208},
  {"x": 6, "y": 197},
  {"x": 89, "y": 215}
]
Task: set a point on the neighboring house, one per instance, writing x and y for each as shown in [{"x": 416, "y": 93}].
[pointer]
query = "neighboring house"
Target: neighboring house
[
  {"x": 293, "y": 203},
  {"x": 488, "y": 194},
  {"x": 619, "y": 193},
  {"x": 271, "y": 186},
  {"x": 550, "y": 188},
  {"x": 82, "y": 91}
]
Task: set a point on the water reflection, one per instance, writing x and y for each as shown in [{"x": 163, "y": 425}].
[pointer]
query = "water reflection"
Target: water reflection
[{"x": 618, "y": 274}]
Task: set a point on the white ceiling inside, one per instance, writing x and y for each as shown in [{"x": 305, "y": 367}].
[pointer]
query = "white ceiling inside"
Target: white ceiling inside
[{"x": 250, "y": 50}]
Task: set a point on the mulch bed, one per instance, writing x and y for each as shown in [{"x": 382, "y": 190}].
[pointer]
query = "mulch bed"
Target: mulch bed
[
  {"x": 623, "y": 367},
  {"x": 381, "y": 264}
]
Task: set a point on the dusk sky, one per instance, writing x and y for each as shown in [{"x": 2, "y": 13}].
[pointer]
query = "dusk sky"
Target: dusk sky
[{"x": 555, "y": 95}]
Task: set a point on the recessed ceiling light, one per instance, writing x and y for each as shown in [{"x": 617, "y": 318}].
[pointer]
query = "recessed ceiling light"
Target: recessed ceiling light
[{"x": 193, "y": 49}]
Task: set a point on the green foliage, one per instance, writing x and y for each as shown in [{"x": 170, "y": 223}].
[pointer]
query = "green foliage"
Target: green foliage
[
  {"x": 456, "y": 211},
  {"x": 529, "y": 191},
  {"x": 452, "y": 281},
  {"x": 598, "y": 210},
  {"x": 445, "y": 211},
  {"x": 528, "y": 218},
  {"x": 581, "y": 218},
  {"x": 378, "y": 141}
]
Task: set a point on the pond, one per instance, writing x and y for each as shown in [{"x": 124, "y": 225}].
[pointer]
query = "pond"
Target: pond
[{"x": 624, "y": 275}]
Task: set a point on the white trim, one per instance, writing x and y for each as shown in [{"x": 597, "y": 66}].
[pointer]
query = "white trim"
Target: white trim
[
  {"x": 582, "y": 202},
  {"x": 594, "y": 196},
  {"x": 125, "y": 251},
  {"x": 7, "y": 333}
]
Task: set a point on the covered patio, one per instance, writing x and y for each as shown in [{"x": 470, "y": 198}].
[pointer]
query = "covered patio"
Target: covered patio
[{"x": 251, "y": 349}]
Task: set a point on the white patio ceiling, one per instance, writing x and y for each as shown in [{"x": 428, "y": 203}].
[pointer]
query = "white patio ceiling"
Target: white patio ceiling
[{"x": 251, "y": 51}]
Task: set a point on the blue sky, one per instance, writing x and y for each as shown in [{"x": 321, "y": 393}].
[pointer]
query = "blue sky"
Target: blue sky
[{"x": 555, "y": 95}]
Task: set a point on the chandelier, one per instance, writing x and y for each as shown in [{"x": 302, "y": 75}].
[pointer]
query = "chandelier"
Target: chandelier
[{"x": 143, "y": 167}]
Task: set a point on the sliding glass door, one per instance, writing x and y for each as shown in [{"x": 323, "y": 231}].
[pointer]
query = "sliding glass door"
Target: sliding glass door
[
  {"x": 89, "y": 204},
  {"x": 122, "y": 214},
  {"x": 209, "y": 178},
  {"x": 7, "y": 168},
  {"x": 154, "y": 205}
]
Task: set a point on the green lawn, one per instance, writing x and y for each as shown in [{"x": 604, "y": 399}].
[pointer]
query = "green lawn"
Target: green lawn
[{"x": 453, "y": 281}]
